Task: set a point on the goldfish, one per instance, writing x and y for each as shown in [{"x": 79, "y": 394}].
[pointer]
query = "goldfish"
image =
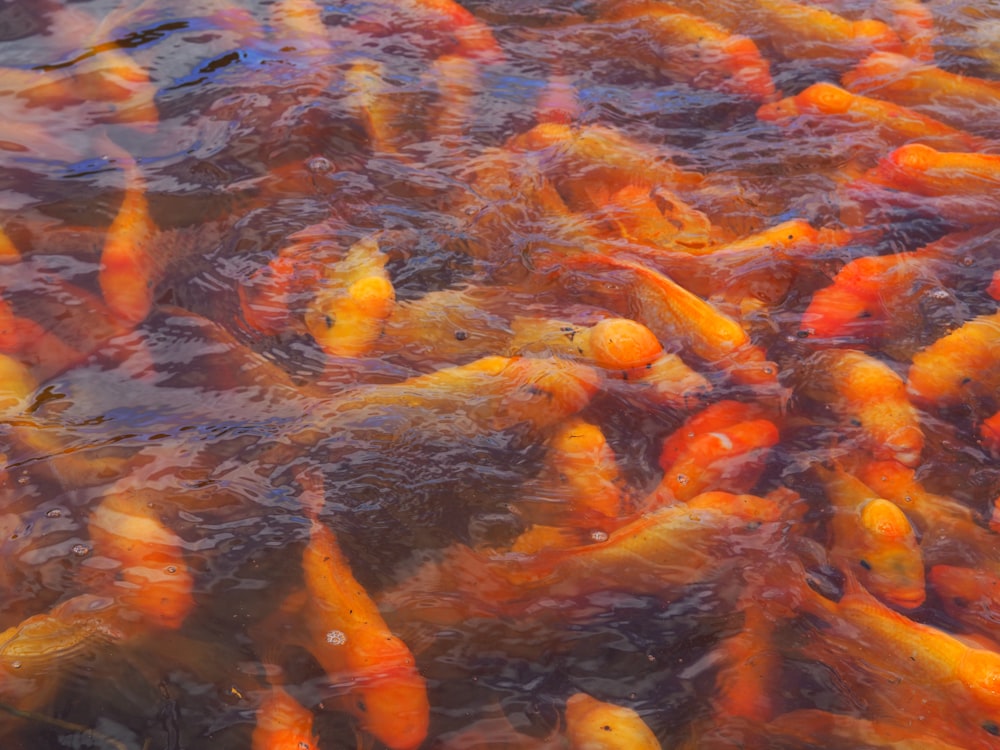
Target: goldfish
[
  {"x": 283, "y": 723},
  {"x": 372, "y": 101},
  {"x": 989, "y": 431},
  {"x": 959, "y": 367},
  {"x": 595, "y": 725},
  {"x": 949, "y": 530},
  {"x": 962, "y": 184},
  {"x": 673, "y": 313},
  {"x": 875, "y": 540},
  {"x": 491, "y": 393},
  {"x": 836, "y": 730},
  {"x": 894, "y": 125},
  {"x": 353, "y": 299},
  {"x": 128, "y": 274},
  {"x": 963, "y": 101},
  {"x": 969, "y": 595},
  {"x": 724, "y": 447},
  {"x": 871, "y": 401},
  {"x": 36, "y": 652},
  {"x": 351, "y": 641},
  {"x": 749, "y": 668},
  {"x": 152, "y": 579},
  {"x": 701, "y": 53},
  {"x": 906, "y": 657},
  {"x": 579, "y": 158},
  {"x": 8, "y": 250}
]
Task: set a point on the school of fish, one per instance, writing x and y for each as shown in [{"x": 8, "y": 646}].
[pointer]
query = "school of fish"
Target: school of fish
[{"x": 485, "y": 374}]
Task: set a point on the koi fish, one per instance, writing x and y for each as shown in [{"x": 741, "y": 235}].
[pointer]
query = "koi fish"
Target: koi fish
[
  {"x": 894, "y": 124},
  {"x": 8, "y": 250},
  {"x": 491, "y": 393},
  {"x": 832, "y": 730},
  {"x": 969, "y": 179},
  {"x": 875, "y": 540},
  {"x": 688, "y": 48},
  {"x": 970, "y": 595},
  {"x": 152, "y": 579},
  {"x": 354, "y": 298},
  {"x": 871, "y": 400},
  {"x": 724, "y": 447},
  {"x": 38, "y": 650},
  {"x": 351, "y": 641},
  {"x": 674, "y": 314},
  {"x": 595, "y": 725},
  {"x": 374, "y": 104},
  {"x": 959, "y": 366},
  {"x": 128, "y": 274},
  {"x": 962, "y": 101},
  {"x": 949, "y": 530},
  {"x": 989, "y": 432},
  {"x": 965, "y": 679},
  {"x": 749, "y": 669},
  {"x": 283, "y": 724}
]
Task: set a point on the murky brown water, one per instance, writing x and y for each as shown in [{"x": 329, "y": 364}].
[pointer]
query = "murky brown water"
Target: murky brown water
[{"x": 244, "y": 126}]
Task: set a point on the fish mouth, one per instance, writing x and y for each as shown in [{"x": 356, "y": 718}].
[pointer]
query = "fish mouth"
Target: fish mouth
[{"x": 908, "y": 599}]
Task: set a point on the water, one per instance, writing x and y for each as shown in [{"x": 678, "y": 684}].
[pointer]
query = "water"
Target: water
[{"x": 256, "y": 138}]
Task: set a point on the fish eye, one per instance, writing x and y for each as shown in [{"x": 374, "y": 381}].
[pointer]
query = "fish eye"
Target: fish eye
[
  {"x": 866, "y": 565},
  {"x": 361, "y": 705},
  {"x": 992, "y": 728}
]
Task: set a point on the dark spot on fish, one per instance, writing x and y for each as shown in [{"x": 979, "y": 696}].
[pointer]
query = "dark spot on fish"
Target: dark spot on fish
[
  {"x": 966, "y": 381},
  {"x": 992, "y": 728},
  {"x": 329, "y": 320},
  {"x": 791, "y": 236},
  {"x": 606, "y": 728},
  {"x": 855, "y": 422},
  {"x": 461, "y": 335},
  {"x": 864, "y": 314},
  {"x": 961, "y": 601},
  {"x": 361, "y": 705},
  {"x": 866, "y": 565}
]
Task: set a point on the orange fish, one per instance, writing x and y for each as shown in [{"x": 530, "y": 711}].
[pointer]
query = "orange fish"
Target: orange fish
[
  {"x": 970, "y": 595},
  {"x": 152, "y": 579},
  {"x": 750, "y": 668},
  {"x": 690, "y": 48},
  {"x": 351, "y": 641},
  {"x": 129, "y": 274},
  {"x": 893, "y": 124},
  {"x": 962, "y": 101},
  {"x": 352, "y": 301},
  {"x": 729, "y": 458},
  {"x": 959, "y": 367},
  {"x": 8, "y": 250},
  {"x": 870, "y": 399},
  {"x": 674, "y": 314},
  {"x": 875, "y": 540},
  {"x": 846, "y": 732},
  {"x": 989, "y": 432},
  {"x": 595, "y": 725},
  {"x": 950, "y": 531},
  {"x": 283, "y": 724}
]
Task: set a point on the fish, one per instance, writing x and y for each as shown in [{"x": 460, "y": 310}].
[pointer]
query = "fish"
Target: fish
[
  {"x": 352, "y": 301},
  {"x": 847, "y": 731},
  {"x": 597, "y": 725},
  {"x": 685, "y": 46},
  {"x": 282, "y": 723},
  {"x": 871, "y": 401},
  {"x": 385, "y": 691},
  {"x": 959, "y": 367},
  {"x": 891, "y": 124},
  {"x": 749, "y": 668},
  {"x": 150, "y": 577},
  {"x": 874, "y": 540},
  {"x": 128, "y": 274},
  {"x": 674, "y": 314},
  {"x": 724, "y": 447},
  {"x": 962, "y": 101}
]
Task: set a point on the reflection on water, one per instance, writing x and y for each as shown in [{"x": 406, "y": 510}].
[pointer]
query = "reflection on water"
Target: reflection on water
[{"x": 520, "y": 302}]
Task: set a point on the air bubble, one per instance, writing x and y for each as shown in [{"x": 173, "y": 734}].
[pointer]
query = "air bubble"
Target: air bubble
[
  {"x": 80, "y": 550},
  {"x": 54, "y": 513},
  {"x": 336, "y": 637},
  {"x": 599, "y": 536},
  {"x": 319, "y": 165}
]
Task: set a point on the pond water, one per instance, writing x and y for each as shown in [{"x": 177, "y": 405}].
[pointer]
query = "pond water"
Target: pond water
[{"x": 496, "y": 293}]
